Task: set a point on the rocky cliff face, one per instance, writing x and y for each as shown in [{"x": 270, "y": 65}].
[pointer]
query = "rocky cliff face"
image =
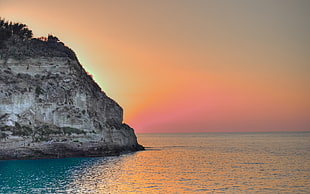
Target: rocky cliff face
[{"x": 50, "y": 107}]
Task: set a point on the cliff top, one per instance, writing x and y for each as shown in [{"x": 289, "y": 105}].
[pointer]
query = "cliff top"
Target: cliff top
[{"x": 16, "y": 41}]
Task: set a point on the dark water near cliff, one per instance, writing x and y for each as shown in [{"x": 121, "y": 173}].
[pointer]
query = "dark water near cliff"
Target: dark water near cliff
[{"x": 175, "y": 163}]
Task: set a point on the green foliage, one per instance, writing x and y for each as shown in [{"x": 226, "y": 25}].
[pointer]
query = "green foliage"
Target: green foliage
[
  {"x": 42, "y": 133},
  {"x": 16, "y": 40},
  {"x": 22, "y": 131},
  {"x": 52, "y": 38},
  {"x": 70, "y": 130},
  {"x": 8, "y": 29},
  {"x": 39, "y": 133},
  {"x": 41, "y": 138}
]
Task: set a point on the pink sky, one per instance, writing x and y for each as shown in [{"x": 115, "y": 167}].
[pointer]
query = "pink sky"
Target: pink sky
[{"x": 188, "y": 66}]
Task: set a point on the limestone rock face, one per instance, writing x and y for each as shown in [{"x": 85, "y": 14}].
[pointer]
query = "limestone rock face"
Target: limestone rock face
[{"x": 50, "y": 107}]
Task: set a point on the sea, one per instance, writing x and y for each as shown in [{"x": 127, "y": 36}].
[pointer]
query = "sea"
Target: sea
[{"x": 276, "y": 162}]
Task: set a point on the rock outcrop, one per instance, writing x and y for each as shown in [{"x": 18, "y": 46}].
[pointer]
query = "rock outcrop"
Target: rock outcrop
[{"x": 51, "y": 108}]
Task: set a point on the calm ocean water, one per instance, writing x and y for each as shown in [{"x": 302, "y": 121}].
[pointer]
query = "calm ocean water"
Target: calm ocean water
[{"x": 175, "y": 163}]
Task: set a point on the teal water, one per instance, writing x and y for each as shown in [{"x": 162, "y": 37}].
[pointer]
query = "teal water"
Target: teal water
[
  {"x": 175, "y": 163},
  {"x": 50, "y": 175}
]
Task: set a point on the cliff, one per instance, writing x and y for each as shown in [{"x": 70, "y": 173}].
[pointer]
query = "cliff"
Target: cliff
[{"x": 51, "y": 108}]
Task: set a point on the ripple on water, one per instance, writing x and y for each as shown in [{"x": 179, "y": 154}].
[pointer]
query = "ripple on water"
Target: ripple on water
[{"x": 201, "y": 163}]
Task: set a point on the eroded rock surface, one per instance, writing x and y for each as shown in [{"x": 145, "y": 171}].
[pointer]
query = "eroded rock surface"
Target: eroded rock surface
[{"x": 50, "y": 107}]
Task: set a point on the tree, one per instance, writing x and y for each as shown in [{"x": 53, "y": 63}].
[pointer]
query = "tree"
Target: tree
[
  {"x": 8, "y": 29},
  {"x": 52, "y": 38}
]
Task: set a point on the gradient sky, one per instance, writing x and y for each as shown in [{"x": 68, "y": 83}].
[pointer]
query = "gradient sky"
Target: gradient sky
[{"x": 188, "y": 65}]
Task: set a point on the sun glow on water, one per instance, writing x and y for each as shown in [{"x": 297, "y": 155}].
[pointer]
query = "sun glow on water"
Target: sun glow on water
[{"x": 175, "y": 163}]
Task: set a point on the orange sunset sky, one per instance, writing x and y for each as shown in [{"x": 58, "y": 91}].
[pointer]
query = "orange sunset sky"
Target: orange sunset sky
[{"x": 188, "y": 65}]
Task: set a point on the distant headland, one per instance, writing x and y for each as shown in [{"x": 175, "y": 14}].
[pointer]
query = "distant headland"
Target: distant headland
[{"x": 49, "y": 106}]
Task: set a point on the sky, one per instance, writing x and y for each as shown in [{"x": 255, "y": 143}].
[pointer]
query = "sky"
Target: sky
[{"x": 188, "y": 65}]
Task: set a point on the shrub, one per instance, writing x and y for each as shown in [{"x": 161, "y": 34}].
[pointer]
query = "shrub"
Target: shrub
[
  {"x": 8, "y": 29},
  {"x": 70, "y": 130}
]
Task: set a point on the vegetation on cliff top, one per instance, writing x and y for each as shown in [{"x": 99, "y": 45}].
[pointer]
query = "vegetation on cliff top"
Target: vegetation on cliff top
[
  {"x": 16, "y": 40},
  {"x": 8, "y": 29}
]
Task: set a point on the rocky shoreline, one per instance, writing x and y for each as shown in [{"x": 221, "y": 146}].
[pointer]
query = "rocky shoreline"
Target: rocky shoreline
[{"x": 64, "y": 150}]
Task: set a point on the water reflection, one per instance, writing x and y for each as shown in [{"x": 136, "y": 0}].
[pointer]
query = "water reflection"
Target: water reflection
[
  {"x": 36, "y": 176},
  {"x": 233, "y": 164},
  {"x": 240, "y": 163},
  {"x": 102, "y": 176}
]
